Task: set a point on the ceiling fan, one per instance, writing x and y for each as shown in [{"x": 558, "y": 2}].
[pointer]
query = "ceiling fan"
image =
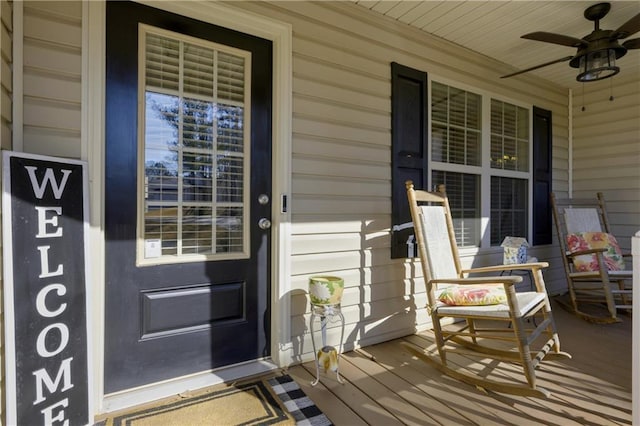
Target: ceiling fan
[{"x": 597, "y": 51}]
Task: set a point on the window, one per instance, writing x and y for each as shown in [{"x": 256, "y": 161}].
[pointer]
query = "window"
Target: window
[
  {"x": 456, "y": 140},
  {"x": 480, "y": 147},
  {"x": 509, "y": 151},
  {"x": 194, "y": 150},
  {"x": 461, "y": 162}
]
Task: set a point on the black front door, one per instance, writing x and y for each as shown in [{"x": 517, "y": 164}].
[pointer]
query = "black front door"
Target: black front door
[{"x": 187, "y": 182}]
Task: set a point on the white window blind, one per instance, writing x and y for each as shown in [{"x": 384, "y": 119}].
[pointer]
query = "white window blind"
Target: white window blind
[
  {"x": 456, "y": 125},
  {"x": 509, "y": 136}
]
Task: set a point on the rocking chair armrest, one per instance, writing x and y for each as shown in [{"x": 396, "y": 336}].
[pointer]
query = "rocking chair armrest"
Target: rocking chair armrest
[
  {"x": 507, "y": 279},
  {"x": 510, "y": 267},
  {"x": 587, "y": 274},
  {"x": 582, "y": 252}
]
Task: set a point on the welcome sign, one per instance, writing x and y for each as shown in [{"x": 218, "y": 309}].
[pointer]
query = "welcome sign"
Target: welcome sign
[{"x": 45, "y": 224}]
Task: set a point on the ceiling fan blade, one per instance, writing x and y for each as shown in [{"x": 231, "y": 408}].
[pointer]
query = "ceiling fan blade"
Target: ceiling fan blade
[
  {"x": 634, "y": 43},
  {"x": 566, "y": 58},
  {"x": 555, "y": 39},
  {"x": 630, "y": 27}
]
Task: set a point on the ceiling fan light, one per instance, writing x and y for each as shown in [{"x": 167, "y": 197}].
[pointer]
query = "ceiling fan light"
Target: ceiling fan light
[{"x": 597, "y": 65}]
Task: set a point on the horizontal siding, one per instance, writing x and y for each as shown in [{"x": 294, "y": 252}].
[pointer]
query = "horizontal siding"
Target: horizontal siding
[
  {"x": 47, "y": 84},
  {"x": 340, "y": 131},
  {"x": 607, "y": 150},
  {"x": 51, "y": 141},
  {"x": 52, "y": 78},
  {"x": 51, "y": 113},
  {"x": 325, "y": 243},
  {"x": 339, "y": 167},
  {"x": 341, "y": 183}
]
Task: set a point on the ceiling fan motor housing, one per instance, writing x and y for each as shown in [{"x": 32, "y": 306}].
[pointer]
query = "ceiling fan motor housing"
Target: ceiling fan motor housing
[{"x": 598, "y": 41}]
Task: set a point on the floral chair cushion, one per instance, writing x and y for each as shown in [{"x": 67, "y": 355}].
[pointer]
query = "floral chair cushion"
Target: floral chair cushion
[
  {"x": 473, "y": 295},
  {"x": 594, "y": 240}
]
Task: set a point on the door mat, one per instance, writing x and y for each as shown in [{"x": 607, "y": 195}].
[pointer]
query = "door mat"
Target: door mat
[
  {"x": 303, "y": 410},
  {"x": 249, "y": 404},
  {"x": 277, "y": 401}
]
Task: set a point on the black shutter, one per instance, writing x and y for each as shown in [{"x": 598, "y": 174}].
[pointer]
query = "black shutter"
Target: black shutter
[
  {"x": 542, "y": 150},
  {"x": 409, "y": 147}
]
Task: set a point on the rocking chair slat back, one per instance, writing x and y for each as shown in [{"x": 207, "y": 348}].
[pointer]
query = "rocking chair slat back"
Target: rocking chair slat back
[
  {"x": 582, "y": 220},
  {"x": 441, "y": 261}
]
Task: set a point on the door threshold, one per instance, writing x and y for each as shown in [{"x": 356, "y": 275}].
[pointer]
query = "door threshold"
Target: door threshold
[{"x": 148, "y": 393}]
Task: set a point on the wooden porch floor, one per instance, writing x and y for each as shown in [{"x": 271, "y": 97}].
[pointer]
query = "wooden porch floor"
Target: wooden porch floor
[{"x": 385, "y": 385}]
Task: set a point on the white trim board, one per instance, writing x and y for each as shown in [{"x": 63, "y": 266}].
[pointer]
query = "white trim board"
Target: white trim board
[{"x": 93, "y": 99}]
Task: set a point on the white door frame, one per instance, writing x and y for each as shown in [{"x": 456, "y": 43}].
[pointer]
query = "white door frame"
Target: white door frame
[{"x": 93, "y": 148}]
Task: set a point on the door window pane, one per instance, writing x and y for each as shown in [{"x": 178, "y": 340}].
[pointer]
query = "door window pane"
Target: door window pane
[{"x": 194, "y": 145}]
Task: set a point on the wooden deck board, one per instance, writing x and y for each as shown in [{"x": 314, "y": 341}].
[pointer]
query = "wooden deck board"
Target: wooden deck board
[
  {"x": 385, "y": 384},
  {"x": 327, "y": 402},
  {"x": 390, "y": 400},
  {"x": 542, "y": 411},
  {"x": 563, "y": 407},
  {"x": 464, "y": 402},
  {"x": 366, "y": 406},
  {"x": 432, "y": 411}
]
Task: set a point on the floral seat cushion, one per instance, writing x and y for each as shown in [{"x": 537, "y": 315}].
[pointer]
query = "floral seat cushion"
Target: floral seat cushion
[
  {"x": 595, "y": 240},
  {"x": 473, "y": 295}
]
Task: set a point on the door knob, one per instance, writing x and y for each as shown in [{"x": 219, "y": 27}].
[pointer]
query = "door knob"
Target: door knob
[{"x": 264, "y": 223}]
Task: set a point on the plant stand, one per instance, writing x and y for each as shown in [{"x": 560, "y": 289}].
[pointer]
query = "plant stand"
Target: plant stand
[{"x": 328, "y": 356}]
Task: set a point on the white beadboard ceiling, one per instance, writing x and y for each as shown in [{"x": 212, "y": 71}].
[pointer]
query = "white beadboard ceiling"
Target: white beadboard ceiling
[{"x": 493, "y": 28}]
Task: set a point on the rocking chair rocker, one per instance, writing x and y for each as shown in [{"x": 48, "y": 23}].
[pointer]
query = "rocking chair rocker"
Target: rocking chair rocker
[{"x": 522, "y": 342}]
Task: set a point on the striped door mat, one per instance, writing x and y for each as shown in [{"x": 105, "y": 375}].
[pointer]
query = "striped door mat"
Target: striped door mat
[{"x": 297, "y": 403}]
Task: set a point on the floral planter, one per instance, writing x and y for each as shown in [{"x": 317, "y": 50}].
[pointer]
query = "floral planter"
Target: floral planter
[
  {"x": 326, "y": 290},
  {"x": 328, "y": 359}
]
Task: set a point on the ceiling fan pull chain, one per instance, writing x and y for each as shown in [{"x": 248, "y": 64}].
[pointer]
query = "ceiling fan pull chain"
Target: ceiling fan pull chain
[
  {"x": 583, "y": 108},
  {"x": 611, "y": 90}
]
